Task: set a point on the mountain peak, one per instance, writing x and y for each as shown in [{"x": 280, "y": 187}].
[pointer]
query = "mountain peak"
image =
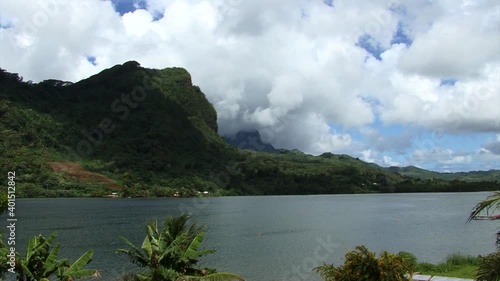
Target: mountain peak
[
  {"x": 153, "y": 133},
  {"x": 250, "y": 140}
]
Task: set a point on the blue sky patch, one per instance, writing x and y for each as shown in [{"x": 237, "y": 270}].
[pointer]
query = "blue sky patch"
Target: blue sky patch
[
  {"x": 129, "y": 6},
  {"x": 459, "y": 142},
  {"x": 398, "y": 142},
  {"x": 126, "y": 6},
  {"x": 400, "y": 37},
  {"x": 6, "y": 25},
  {"x": 394, "y": 129},
  {"x": 328, "y": 2},
  {"x": 303, "y": 14},
  {"x": 370, "y": 45},
  {"x": 448, "y": 82},
  {"x": 372, "y": 101},
  {"x": 157, "y": 16},
  {"x": 354, "y": 133},
  {"x": 91, "y": 59},
  {"x": 399, "y": 9}
]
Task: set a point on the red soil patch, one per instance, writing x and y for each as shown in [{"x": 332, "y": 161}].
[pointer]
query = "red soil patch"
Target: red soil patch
[{"x": 75, "y": 171}]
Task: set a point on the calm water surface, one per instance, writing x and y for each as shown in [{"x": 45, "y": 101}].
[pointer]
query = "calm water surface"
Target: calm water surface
[{"x": 267, "y": 238}]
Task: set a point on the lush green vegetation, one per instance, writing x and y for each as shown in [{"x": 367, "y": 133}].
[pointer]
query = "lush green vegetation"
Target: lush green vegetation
[
  {"x": 3, "y": 247},
  {"x": 489, "y": 266},
  {"x": 363, "y": 265},
  {"x": 40, "y": 262},
  {"x": 455, "y": 265},
  {"x": 148, "y": 132},
  {"x": 473, "y": 176},
  {"x": 171, "y": 253}
]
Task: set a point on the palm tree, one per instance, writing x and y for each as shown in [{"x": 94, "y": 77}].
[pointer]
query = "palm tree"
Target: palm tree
[
  {"x": 171, "y": 254},
  {"x": 76, "y": 270},
  {"x": 491, "y": 203},
  {"x": 489, "y": 267}
]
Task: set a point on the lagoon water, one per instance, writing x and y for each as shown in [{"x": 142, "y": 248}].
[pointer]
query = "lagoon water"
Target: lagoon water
[{"x": 266, "y": 238}]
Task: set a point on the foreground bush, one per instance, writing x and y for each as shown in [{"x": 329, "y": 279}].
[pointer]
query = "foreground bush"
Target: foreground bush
[
  {"x": 363, "y": 265},
  {"x": 455, "y": 265},
  {"x": 41, "y": 262},
  {"x": 489, "y": 268},
  {"x": 171, "y": 253},
  {"x": 4, "y": 266}
]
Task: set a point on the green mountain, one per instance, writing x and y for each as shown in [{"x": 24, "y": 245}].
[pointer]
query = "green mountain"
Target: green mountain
[
  {"x": 472, "y": 176},
  {"x": 250, "y": 140},
  {"x": 146, "y": 132}
]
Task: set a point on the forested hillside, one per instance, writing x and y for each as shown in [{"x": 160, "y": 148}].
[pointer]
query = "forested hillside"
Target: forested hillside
[{"x": 145, "y": 132}]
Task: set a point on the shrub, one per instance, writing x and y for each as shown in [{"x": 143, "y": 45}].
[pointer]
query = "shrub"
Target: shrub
[
  {"x": 363, "y": 265},
  {"x": 459, "y": 259},
  {"x": 172, "y": 252},
  {"x": 489, "y": 268},
  {"x": 454, "y": 265},
  {"x": 410, "y": 259}
]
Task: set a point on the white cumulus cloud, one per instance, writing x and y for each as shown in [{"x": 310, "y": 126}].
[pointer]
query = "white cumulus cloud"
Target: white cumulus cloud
[{"x": 293, "y": 69}]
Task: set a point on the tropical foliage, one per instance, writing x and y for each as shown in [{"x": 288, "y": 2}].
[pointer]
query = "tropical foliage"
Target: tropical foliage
[
  {"x": 492, "y": 203},
  {"x": 471, "y": 176},
  {"x": 3, "y": 200},
  {"x": 454, "y": 265},
  {"x": 172, "y": 252},
  {"x": 3, "y": 257},
  {"x": 363, "y": 265},
  {"x": 41, "y": 262},
  {"x": 3, "y": 247},
  {"x": 489, "y": 266}
]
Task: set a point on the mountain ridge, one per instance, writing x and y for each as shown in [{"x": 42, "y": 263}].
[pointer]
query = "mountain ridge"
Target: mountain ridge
[
  {"x": 154, "y": 133},
  {"x": 251, "y": 140}
]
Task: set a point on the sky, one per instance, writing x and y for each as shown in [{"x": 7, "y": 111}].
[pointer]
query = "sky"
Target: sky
[{"x": 397, "y": 83}]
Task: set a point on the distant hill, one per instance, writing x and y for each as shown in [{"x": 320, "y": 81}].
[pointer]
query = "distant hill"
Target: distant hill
[
  {"x": 250, "y": 140},
  {"x": 151, "y": 132},
  {"x": 472, "y": 176}
]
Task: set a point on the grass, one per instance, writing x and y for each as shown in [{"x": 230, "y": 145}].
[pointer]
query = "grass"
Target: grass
[{"x": 455, "y": 265}]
